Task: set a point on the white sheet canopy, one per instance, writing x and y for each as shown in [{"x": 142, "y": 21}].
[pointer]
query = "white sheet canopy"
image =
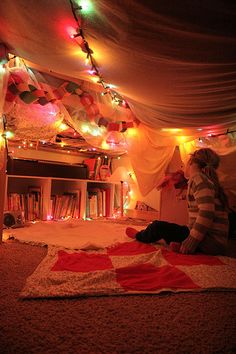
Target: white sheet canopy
[{"x": 174, "y": 63}]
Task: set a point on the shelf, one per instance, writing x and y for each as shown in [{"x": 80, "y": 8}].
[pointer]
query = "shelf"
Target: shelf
[{"x": 56, "y": 186}]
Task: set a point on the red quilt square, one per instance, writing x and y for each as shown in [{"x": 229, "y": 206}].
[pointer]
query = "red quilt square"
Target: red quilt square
[
  {"x": 147, "y": 277},
  {"x": 190, "y": 260},
  {"x": 130, "y": 249},
  {"x": 81, "y": 262}
]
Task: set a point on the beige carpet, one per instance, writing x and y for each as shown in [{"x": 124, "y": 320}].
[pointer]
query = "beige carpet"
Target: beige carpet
[{"x": 160, "y": 324}]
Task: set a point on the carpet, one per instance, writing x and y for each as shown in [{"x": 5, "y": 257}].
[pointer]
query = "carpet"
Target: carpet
[{"x": 127, "y": 268}]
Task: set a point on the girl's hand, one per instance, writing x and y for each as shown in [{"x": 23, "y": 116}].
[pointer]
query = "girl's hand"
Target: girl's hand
[{"x": 189, "y": 245}]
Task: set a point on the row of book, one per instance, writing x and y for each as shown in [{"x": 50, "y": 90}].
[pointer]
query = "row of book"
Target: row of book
[
  {"x": 61, "y": 205},
  {"x": 65, "y": 205},
  {"x": 30, "y": 204},
  {"x": 98, "y": 203}
]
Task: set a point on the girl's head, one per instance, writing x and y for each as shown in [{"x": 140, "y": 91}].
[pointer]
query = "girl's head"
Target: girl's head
[{"x": 207, "y": 161}]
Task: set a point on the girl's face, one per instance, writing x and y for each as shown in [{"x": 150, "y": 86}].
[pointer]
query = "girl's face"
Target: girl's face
[{"x": 187, "y": 168}]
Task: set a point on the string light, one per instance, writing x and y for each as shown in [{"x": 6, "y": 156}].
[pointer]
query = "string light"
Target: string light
[
  {"x": 8, "y": 134},
  {"x": 85, "y": 7}
]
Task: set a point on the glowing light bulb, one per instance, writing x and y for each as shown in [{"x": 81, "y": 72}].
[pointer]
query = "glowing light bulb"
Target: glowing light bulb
[
  {"x": 9, "y": 135},
  {"x": 92, "y": 72},
  {"x": 63, "y": 126},
  {"x": 85, "y": 5},
  {"x": 95, "y": 79},
  {"x": 85, "y": 129},
  {"x": 131, "y": 132},
  {"x": 95, "y": 132},
  {"x": 104, "y": 145}
]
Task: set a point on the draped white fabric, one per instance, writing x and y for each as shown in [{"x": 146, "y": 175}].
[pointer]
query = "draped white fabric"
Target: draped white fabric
[{"x": 174, "y": 62}]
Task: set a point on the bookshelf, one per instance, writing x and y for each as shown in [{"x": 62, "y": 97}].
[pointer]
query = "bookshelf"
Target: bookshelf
[{"x": 54, "y": 192}]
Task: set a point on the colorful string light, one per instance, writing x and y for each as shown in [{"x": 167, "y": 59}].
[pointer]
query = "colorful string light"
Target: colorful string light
[{"x": 84, "y": 7}]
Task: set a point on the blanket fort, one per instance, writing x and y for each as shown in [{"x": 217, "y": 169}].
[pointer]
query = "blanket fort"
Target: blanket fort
[{"x": 127, "y": 268}]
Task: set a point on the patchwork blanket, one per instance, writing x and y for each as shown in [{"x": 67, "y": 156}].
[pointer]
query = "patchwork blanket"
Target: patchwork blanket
[{"x": 127, "y": 268}]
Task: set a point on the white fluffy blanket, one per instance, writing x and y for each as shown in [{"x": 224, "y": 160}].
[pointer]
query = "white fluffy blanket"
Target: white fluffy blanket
[{"x": 74, "y": 234}]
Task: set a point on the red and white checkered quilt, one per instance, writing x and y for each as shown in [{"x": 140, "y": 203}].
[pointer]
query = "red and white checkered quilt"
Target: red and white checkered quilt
[{"x": 127, "y": 268}]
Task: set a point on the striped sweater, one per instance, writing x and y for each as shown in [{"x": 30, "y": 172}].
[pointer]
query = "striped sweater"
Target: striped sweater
[{"x": 208, "y": 220}]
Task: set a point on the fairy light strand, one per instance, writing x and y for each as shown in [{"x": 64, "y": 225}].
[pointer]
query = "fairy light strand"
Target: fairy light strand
[{"x": 115, "y": 97}]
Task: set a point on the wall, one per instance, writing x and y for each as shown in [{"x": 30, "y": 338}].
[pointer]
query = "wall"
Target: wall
[
  {"x": 173, "y": 207},
  {"x": 121, "y": 169}
]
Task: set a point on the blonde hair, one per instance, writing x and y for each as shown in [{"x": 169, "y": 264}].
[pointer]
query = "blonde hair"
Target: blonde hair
[{"x": 208, "y": 161}]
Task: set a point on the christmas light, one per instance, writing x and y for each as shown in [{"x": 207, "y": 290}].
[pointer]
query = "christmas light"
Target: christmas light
[
  {"x": 85, "y": 129},
  {"x": 8, "y": 135},
  {"x": 92, "y": 72},
  {"x": 85, "y": 5},
  {"x": 63, "y": 126},
  {"x": 104, "y": 145},
  {"x": 95, "y": 80}
]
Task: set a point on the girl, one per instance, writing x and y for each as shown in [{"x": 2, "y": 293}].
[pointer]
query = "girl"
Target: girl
[{"x": 207, "y": 231}]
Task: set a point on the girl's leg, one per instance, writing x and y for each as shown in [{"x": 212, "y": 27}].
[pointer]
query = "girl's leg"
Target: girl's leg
[{"x": 158, "y": 230}]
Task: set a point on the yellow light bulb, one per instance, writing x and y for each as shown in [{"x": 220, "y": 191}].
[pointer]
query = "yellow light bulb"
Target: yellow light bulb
[
  {"x": 131, "y": 132},
  {"x": 63, "y": 126},
  {"x": 95, "y": 79},
  {"x": 9, "y": 134},
  {"x": 104, "y": 145},
  {"x": 85, "y": 128}
]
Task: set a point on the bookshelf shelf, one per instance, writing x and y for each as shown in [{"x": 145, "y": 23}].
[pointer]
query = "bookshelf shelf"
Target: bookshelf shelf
[{"x": 70, "y": 196}]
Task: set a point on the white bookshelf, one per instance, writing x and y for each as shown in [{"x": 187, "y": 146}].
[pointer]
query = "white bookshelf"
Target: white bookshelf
[{"x": 56, "y": 186}]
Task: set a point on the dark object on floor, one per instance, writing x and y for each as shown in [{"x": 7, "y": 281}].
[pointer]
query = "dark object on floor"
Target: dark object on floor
[{"x": 13, "y": 219}]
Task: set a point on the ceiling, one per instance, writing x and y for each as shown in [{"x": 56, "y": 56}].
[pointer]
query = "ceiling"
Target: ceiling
[{"x": 175, "y": 66}]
